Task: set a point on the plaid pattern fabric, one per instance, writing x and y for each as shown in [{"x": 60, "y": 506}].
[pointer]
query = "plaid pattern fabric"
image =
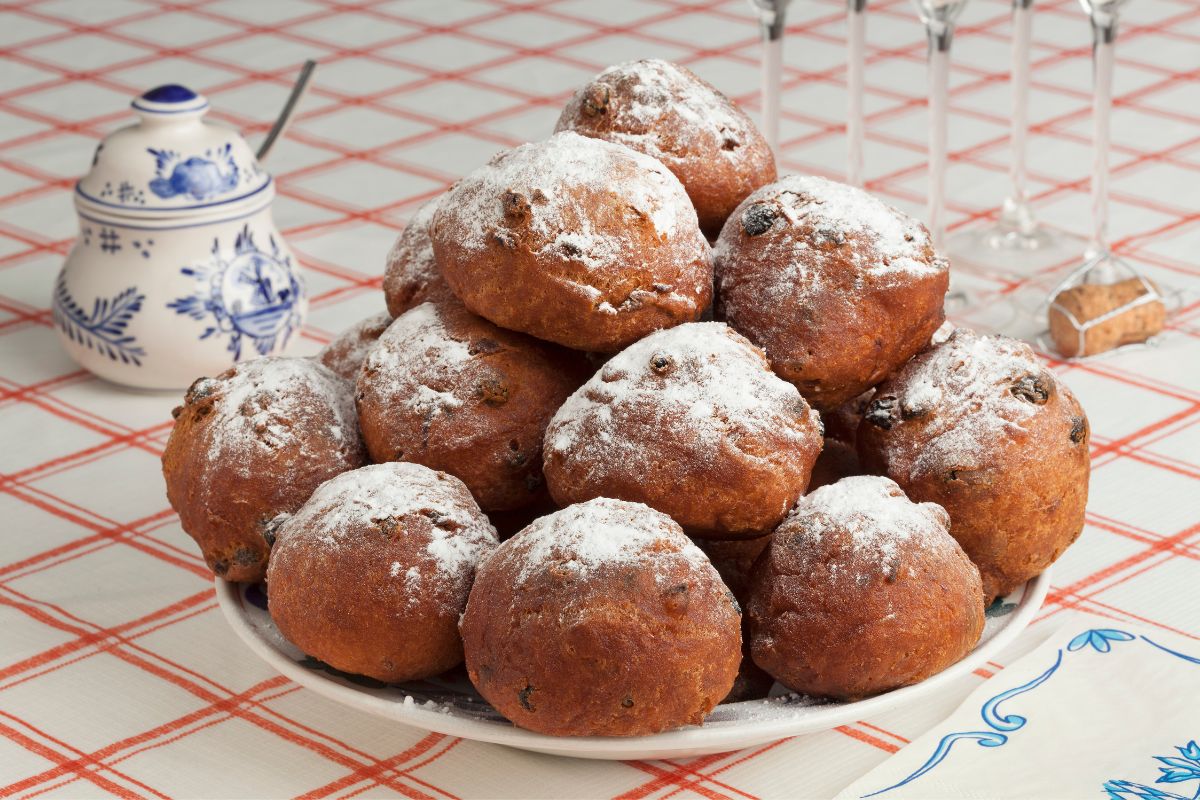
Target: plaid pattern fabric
[{"x": 118, "y": 675}]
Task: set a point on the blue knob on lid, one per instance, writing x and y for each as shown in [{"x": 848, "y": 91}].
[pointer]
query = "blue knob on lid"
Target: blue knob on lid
[
  {"x": 169, "y": 93},
  {"x": 170, "y": 99}
]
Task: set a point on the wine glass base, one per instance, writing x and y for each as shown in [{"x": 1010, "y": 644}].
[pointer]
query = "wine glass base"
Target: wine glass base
[{"x": 1004, "y": 252}]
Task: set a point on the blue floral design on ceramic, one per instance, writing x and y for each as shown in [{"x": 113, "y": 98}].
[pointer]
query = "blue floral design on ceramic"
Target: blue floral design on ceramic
[
  {"x": 197, "y": 177},
  {"x": 251, "y": 295},
  {"x": 1100, "y": 640},
  {"x": 1181, "y": 769},
  {"x": 104, "y": 329}
]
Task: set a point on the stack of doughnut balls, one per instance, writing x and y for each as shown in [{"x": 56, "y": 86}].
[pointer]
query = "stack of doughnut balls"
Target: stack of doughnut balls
[{"x": 824, "y": 487}]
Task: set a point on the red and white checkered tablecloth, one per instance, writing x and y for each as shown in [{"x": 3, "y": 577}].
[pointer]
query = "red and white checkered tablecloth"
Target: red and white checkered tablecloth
[{"x": 118, "y": 675}]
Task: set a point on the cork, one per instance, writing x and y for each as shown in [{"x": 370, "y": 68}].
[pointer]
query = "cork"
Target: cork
[{"x": 1091, "y": 301}]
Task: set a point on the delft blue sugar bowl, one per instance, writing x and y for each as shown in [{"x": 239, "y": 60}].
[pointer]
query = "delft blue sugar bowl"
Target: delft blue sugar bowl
[{"x": 178, "y": 271}]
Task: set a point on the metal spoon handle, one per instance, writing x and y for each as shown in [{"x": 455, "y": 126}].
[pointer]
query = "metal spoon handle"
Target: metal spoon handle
[{"x": 289, "y": 108}]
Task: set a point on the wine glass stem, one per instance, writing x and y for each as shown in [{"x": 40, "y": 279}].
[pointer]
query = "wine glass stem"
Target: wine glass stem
[
  {"x": 772, "y": 69},
  {"x": 856, "y": 45},
  {"x": 939, "y": 88},
  {"x": 1016, "y": 213},
  {"x": 1104, "y": 32}
]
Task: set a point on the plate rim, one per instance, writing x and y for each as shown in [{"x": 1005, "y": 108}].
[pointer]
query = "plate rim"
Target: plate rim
[{"x": 689, "y": 740}]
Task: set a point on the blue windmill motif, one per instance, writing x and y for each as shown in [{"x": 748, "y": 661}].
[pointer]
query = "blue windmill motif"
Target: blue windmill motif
[{"x": 254, "y": 294}]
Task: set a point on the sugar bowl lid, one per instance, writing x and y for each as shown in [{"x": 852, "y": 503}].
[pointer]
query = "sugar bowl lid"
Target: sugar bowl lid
[{"x": 172, "y": 162}]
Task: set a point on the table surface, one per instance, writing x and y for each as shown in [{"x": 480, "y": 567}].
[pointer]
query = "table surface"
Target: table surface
[{"x": 118, "y": 675}]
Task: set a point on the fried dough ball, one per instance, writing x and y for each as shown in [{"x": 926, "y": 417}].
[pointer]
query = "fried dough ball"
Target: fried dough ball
[
  {"x": 862, "y": 591},
  {"x": 978, "y": 425},
  {"x": 452, "y": 391},
  {"x": 839, "y": 288},
  {"x": 251, "y": 444},
  {"x": 371, "y": 574},
  {"x": 690, "y": 421},
  {"x": 574, "y": 240},
  {"x": 667, "y": 112},
  {"x": 602, "y": 619}
]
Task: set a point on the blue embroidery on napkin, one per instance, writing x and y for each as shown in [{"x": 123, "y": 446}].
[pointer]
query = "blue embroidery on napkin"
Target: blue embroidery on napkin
[
  {"x": 1100, "y": 640},
  {"x": 1177, "y": 770}
]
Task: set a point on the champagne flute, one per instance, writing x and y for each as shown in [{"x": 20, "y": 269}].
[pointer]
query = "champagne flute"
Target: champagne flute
[
  {"x": 1016, "y": 243},
  {"x": 771, "y": 18},
  {"x": 856, "y": 45},
  {"x": 1103, "y": 15},
  {"x": 1100, "y": 265},
  {"x": 939, "y": 17}
]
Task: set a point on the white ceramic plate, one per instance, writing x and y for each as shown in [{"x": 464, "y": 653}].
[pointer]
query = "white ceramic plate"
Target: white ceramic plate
[{"x": 449, "y": 705}]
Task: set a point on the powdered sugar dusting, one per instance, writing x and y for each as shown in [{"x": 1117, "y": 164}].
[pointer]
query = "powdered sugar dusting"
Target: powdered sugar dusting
[
  {"x": 418, "y": 343},
  {"x": 587, "y": 536},
  {"x": 410, "y": 262},
  {"x": 565, "y": 191},
  {"x": 700, "y": 380},
  {"x": 343, "y": 506},
  {"x": 961, "y": 392},
  {"x": 657, "y": 90},
  {"x": 417, "y": 242},
  {"x": 256, "y": 409},
  {"x": 942, "y": 333},
  {"x": 825, "y": 205},
  {"x": 879, "y": 518},
  {"x": 412, "y": 579},
  {"x": 803, "y": 215},
  {"x": 346, "y": 353}
]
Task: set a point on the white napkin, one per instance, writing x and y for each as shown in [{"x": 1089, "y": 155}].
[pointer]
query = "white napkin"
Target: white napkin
[{"x": 1104, "y": 712}]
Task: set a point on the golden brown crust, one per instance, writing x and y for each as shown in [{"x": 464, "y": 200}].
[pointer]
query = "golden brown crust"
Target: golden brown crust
[
  {"x": 837, "y": 287},
  {"x": 601, "y": 620},
  {"x": 862, "y": 592},
  {"x": 665, "y": 111},
  {"x": 251, "y": 444},
  {"x": 981, "y": 427},
  {"x": 574, "y": 240},
  {"x": 372, "y": 573},
  {"x": 412, "y": 276},
  {"x": 452, "y": 391},
  {"x": 692, "y": 422},
  {"x": 345, "y": 354}
]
